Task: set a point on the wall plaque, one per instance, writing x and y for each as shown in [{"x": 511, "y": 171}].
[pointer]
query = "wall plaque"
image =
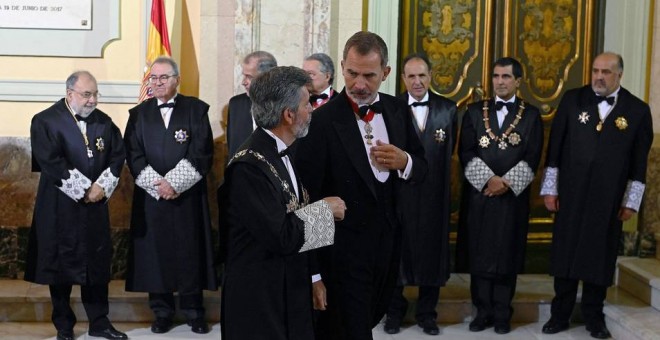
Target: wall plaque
[{"x": 46, "y": 14}]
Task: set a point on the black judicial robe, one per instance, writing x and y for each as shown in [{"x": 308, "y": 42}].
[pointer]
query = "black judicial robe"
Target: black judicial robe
[
  {"x": 426, "y": 207},
  {"x": 239, "y": 122},
  {"x": 170, "y": 246},
  {"x": 70, "y": 241},
  {"x": 594, "y": 168},
  {"x": 267, "y": 283},
  {"x": 497, "y": 226}
]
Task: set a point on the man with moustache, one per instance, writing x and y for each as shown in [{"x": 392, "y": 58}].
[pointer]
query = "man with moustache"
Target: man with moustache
[
  {"x": 321, "y": 69},
  {"x": 596, "y": 166},
  {"x": 271, "y": 223},
  {"x": 425, "y": 209},
  {"x": 80, "y": 154},
  {"x": 361, "y": 147},
  {"x": 170, "y": 149},
  {"x": 240, "y": 123},
  {"x": 500, "y": 149}
]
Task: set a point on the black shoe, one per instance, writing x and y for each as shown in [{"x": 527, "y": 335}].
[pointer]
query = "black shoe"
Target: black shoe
[
  {"x": 554, "y": 326},
  {"x": 161, "y": 325},
  {"x": 480, "y": 323},
  {"x": 429, "y": 326},
  {"x": 199, "y": 326},
  {"x": 502, "y": 328},
  {"x": 599, "y": 331},
  {"x": 392, "y": 325},
  {"x": 66, "y": 334},
  {"x": 108, "y": 333}
]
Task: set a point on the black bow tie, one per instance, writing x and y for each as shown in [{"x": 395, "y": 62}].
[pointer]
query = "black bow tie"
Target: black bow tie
[
  {"x": 285, "y": 152},
  {"x": 83, "y": 119},
  {"x": 164, "y": 105},
  {"x": 416, "y": 104},
  {"x": 500, "y": 104},
  {"x": 376, "y": 107},
  {"x": 609, "y": 100},
  {"x": 313, "y": 98}
]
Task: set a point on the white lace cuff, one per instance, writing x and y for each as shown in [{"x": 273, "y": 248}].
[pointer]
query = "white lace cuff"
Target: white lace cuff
[
  {"x": 632, "y": 198},
  {"x": 550, "y": 182},
  {"x": 519, "y": 177},
  {"x": 76, "y": 185},
  {"x": 319, "y": 225},
  {"x": 146, "y": 179},
  {"x": 108, "y": 182},
  {"x": 183, "y": 176},
  {"x": 478, "y": 173}
]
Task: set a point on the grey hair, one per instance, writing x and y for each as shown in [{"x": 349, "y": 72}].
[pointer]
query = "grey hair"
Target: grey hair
[
  {"x": 167, "y": 60},
  {"x": 73, "y": 78},
  {"x": 327, "y": 66},
  {"x": 265, "y": 60},
  {"x": 274, "y": 91}
]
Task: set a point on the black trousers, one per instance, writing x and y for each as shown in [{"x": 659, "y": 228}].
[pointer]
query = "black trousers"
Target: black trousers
[
  {"x": 94, "y": 299},
  {"x": 191, "y": 305},
  {"x": 427, "y": 300},
  {"x": 593, "y": 297},
  {"x": 492, "y": 295}
]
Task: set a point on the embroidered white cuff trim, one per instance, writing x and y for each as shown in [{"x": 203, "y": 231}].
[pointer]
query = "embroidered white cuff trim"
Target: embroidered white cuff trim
[
  {"x": 146, "y": 179},
  {"x": 519, "y": 177},
  {"x": 319, "y": 225},
  {"x": 632, "y": 198},
  {"x": 183, "y": 176},
  {"x": 550, "y": 182},
  {"x": 76, "y": 185},
  {"x": 108, "y": 182},
  {"x": 478, "y": 173}
]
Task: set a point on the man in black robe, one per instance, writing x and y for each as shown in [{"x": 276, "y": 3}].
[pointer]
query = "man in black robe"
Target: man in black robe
[
  {"x": 596, "y": 165},
  {"x": 355, "y": 150},
  {"x": 500, "y": 149},
  {"x": 169, "y": 148},
  {"x": 425, "y": 209},
  {"x": 80, "y": 154},
  {"x": 321, "y": 69},
  {"x": 269, "y": 221},
  {"x": 240, "y": 123}
]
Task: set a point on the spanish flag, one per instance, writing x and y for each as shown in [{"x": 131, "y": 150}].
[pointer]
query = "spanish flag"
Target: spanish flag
[{"x": 158, "y": 44}]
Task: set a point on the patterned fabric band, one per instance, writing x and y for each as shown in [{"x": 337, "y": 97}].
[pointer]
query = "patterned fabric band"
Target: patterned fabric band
[
  {"x": 146, "y": 179},
  {"x": 478, "y": 173},
  {"x": 550, "y": 182},
  {"x": 183, "y": 176},
  {"x": 76, "y": 185},
  {"x": 632, "y": 198},
  {"x": 108, "y": 182},
  {"x": 519, "y": 177},
  {"x": 319, "y": 225}
]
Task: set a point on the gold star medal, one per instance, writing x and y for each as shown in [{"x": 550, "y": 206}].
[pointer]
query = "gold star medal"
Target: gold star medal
[
  {"x": 100, "y": 144},
  {"x": 484, "y": 142},
  {"x": 514, "y": 139},
  {"x": 621, "y": 123}
]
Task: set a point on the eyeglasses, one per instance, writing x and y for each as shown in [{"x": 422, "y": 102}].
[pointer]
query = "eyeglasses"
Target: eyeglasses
[
  {"x": 88, "y": 94},
  {"x": 163, "y": 78}
]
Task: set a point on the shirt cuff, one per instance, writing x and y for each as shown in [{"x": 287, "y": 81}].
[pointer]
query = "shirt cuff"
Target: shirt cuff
[
  {"x": 183, "y": 176},
  {"x": 405, "y": 173},
  {"x": 108, "y": 182},
  {"x": 146, "y": 179},
  {"x": 478, "y": 173},
  {"x": 550, "y": 182},
  {"x": 519, "y": 177},
  {"x": 76, "y": 185},
  {"x": 316, "y": 278},
  {"x": 632, "y": 198},
  {"x": 319, "y": 225}
]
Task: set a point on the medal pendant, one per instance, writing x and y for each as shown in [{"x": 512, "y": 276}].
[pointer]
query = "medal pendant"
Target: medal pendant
[
  {"x": 484, "y": 142},
  {"x": 502, "y": 144},
  {"x": 89, "y": 153},
  {"x": 368, "y": 129},
  {"x": 599, "y": 126}
]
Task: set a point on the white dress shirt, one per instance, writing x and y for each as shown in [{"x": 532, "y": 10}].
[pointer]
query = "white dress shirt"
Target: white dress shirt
[{"x": 419, "y": 112}]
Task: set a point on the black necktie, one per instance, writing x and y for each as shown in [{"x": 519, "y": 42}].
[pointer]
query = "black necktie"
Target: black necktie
[
  {"x": 83, "y": 119},
  {"x": 609, "y": 100},
  {"x": 500, "y": 104},
  {"x": 376, "y": 107},
  {"x": 164, "y": 105},
  {"x": 313, "y": 97},
  {"x": 416, "y": 104}
]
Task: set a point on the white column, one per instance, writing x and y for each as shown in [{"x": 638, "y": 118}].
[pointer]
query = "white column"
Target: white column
[{"x": 384, "y": 20}]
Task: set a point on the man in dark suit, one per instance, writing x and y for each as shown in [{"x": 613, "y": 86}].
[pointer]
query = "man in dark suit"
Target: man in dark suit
[
  {"x": 361, "y": 147},
  {"x": 321, "y": 69},
  {"x": 596, "y": 165},
  {"x": 240, "y": 123},
  {"x": 500, "y": 150},
  {"x": 271, "y": 223},
  {"x": 169, "y": 144},
  {"x": 425, "y": 209}
]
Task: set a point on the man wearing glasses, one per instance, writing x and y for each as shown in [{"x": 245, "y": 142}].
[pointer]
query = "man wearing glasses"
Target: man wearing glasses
[
  {"x": 80, "y": 154},
  {"x": 169, "y": 148}
]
